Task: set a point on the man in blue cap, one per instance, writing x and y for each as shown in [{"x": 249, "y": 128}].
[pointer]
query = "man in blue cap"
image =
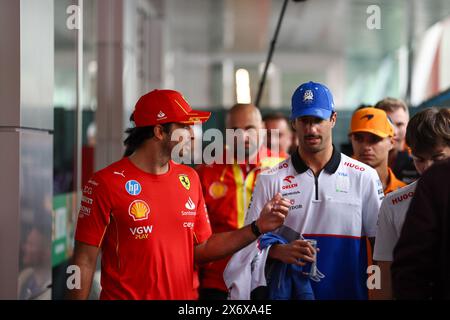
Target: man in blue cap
[
  {"x": 313, "y": 117},
  {"x": 335, "y": 201}
]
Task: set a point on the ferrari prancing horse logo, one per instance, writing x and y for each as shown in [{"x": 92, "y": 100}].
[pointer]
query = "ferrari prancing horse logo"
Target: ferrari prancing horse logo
[{"x": 185, "y": 182}]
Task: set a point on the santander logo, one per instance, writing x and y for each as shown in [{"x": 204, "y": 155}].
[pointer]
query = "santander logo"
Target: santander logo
[
  {"x": 161, "y": 115},
  {"x": 190, "y": 205}
]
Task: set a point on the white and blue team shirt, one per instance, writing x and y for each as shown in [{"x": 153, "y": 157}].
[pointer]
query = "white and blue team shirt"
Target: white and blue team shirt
[
  {"x": 390, "y": 221},
  {"x": 338, "y": 208}
]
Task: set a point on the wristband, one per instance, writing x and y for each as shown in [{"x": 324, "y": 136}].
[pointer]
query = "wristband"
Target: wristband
[{"x": 255, "y": 229}]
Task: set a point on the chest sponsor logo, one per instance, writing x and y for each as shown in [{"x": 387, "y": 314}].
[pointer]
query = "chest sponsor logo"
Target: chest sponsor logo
[
  {"x": 218, "y": 190},
  {"x": 141, "y": 232},
  {"x": 290, "y": 193},
  {"x": 342, "y": 183},
  {"x": 139, "y": 210},
  {"x": 185, "y": 182},
  {"x": 354, "y": 166},
  {"x": 288, "y": 183},
  {"x": 294, "y": 206},
  {"x": 190, "y": 205},
  {"x": 189, "y": 225},
  {"x": 289, "y": 179},
  {"x": 133, "y": 187},
  {"x": 402, "y": 197}
]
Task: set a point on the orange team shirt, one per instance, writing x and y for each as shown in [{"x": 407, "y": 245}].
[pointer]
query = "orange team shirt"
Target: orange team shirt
[
  {"x": 394, "y": 183},
  {"x": 147, "y": 226}
]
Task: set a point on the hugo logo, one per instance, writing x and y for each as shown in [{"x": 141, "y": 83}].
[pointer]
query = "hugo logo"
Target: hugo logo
[{"x": 354, "y": 166}]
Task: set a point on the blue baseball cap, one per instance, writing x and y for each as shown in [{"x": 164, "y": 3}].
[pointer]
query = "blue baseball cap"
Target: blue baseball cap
[{"x": 312, "y": 99}]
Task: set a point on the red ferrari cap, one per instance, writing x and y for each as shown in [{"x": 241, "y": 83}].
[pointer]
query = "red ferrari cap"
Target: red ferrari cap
[{"x": 164, "y": 106}]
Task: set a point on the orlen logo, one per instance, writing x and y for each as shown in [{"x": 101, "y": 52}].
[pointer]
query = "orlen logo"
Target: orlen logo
[
  {"x": 288, "y": 179},
  {"x": 402, "y": 197},
  {"x": 354, "y": 166},
  {"x": 142, "y": 232},
  {"x": 291, "y": 185}
]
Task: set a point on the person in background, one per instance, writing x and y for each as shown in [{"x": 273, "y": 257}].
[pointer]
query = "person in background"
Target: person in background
[
  {"x": 346, "y": 147},
  {"x": 400, "y": 160},
  {"x": 277, "y": 121},
  {"x": 372, "y": 137},
  {"x": 421, "y": 268},
  {"x": 428, "y": 135},
  {"x": 35, "y": 280},
  {"x": 228, "y": 187}
]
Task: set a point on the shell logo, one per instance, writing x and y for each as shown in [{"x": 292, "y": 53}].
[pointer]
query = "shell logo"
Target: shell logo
[
  {"x": 139, "y": 210},
  {"x": 218, "y": 190}
]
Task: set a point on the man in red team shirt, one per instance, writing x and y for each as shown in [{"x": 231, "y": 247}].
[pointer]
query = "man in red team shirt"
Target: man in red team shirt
[
  {"x": 147, "y": 214},
  {"x": 228, "y": 187}
]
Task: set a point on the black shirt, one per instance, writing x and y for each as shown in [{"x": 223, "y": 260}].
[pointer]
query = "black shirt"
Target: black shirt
[
  {"x": 404, "y": 168},
  {"x": 421, "y": 266}
]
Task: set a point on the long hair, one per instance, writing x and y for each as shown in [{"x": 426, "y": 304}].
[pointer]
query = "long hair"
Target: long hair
[{"x": 138, "y": 135}]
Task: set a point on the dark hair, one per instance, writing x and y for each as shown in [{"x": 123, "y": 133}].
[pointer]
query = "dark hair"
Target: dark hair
[
  {"x": 391, "y": 105},
  {"x": 138, "y": 135},
  {"x": 428, "y": 129},
  {"x": 362, "y": 106}
]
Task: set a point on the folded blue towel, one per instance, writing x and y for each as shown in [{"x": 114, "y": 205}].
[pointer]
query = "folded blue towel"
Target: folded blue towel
[{"x": 285, "y": 281}]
